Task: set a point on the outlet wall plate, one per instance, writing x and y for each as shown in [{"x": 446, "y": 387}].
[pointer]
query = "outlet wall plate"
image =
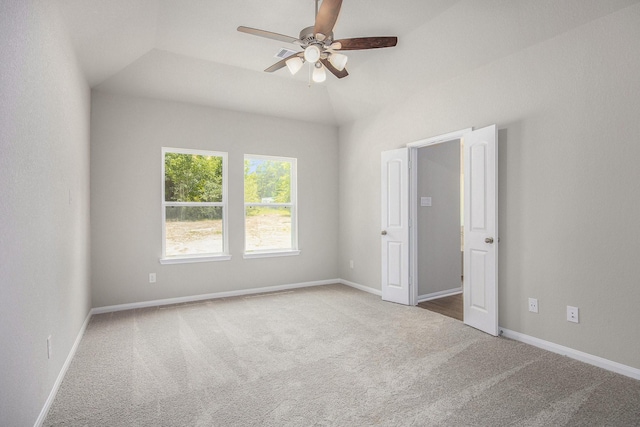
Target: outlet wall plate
[
  {"x": 533, "y": 305},
  {"x": 152, "y": 277},
  {"x": 572, "y": 314}
]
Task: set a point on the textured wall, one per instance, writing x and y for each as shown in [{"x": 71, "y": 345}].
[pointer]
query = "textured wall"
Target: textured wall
[
  {"x": 44, "y": 205},
  {"x": 567, "y": 111},
  {"x": 127, "y": 134},
  {"x": 439, "y": 259}
]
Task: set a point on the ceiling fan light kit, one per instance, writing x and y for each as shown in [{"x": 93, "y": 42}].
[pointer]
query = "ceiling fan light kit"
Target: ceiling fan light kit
[
  {"x": 319, "y": 74},
  {"x": 338, "y": 60},
  {"x": 294, "y": 64},
  {"x": 319, "y": 46},
  {"x": 312, "y": 54}
]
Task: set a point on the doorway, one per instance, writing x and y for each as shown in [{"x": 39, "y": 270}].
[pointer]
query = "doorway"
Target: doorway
[
  {"x": 399, "y": 242},
  {"x": 439, "y": 222}
]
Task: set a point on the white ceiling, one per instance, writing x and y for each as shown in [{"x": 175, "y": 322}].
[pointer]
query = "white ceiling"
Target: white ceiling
[{"x": 190, "y": 51}]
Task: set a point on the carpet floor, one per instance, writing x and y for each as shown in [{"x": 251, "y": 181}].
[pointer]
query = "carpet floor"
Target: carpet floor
[{"x": 324, "y": 356}]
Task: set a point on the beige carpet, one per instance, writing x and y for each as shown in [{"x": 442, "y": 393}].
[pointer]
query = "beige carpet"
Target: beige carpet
[{"x": 324, "y": 356}]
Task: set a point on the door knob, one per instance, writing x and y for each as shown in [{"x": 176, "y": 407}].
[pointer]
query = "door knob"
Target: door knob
[
  {"x": 384, "y": 232},
  {"x": 488, "y": 240}
]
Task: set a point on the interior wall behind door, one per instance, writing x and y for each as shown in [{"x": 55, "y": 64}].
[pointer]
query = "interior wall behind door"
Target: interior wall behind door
[{"x": 439, "y": 251}]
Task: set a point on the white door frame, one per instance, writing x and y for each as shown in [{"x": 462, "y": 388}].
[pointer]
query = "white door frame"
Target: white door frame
[{"x": 413, "y": 202}]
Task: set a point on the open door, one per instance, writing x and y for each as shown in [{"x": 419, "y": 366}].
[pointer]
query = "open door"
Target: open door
[
  {"x": 481, "y": 230},
  {"x": 395, "y": 226}
]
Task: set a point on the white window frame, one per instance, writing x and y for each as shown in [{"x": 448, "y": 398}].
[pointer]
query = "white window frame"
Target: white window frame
[
  {"x": 293, "y": 205},
  {"x": 224, "y": 256}
]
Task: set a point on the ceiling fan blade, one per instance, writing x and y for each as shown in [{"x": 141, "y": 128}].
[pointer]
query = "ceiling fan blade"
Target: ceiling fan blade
[
  {"x": 364, "y": 43},
  {"x": 327, "y": 16},
  {"x": 329, "y": 66},
  {"x": 281, "y": 64},
  {"x": 269, "y": 35}
]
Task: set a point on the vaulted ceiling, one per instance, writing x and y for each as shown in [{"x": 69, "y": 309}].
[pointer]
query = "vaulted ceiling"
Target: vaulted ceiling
[{"x": 190, "y": 51}]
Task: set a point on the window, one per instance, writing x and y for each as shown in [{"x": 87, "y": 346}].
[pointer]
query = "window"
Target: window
[
  {"x": 270, "y": 227},
  {"x": 194, "y": 206}
]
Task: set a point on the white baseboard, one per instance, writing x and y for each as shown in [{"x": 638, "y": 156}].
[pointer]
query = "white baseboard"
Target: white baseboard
[
  {"x": 600, "y": 362},
  {"x": 439, "y": 294},
  {"x": 62, "y": 373},
  {"x": 361, "y": 287},
  {"x": 215, "y": 295}
]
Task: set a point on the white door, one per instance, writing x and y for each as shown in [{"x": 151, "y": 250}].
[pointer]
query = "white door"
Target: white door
[
  {"x": 395, "y": 226},
  {"x": 481, "y": 230}
]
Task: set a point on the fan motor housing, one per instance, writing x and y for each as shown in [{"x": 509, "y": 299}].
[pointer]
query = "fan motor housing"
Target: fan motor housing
[{"x": 308, "y": 37}]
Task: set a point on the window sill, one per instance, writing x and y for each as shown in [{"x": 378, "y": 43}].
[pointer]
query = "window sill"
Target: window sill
[
  {"x": 186, "y": 260},
  {"x": 271, "y": 254}
]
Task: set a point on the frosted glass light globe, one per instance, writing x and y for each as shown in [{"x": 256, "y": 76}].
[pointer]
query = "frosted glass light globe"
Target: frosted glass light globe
[
  {"x": 319, "y": 74},
  {"x": 338, "y": 60},
  {"x": 312, "y": 54},
  {"x": 294, "y": 64}
]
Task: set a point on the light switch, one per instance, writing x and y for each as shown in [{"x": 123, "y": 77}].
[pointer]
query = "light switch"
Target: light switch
[{"x": 425, "y": 201}]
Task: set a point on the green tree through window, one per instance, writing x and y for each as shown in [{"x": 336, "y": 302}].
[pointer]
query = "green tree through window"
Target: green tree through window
[
  {"x": 194, "y": 205},
  {"x": 267, "y": 179},
  {"x": 270, "y": 208}
]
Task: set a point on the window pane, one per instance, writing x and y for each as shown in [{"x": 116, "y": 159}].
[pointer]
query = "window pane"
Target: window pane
[
  {"x": 267, "y": 228},
  {"x": 192, "y": 178},
  {"x": 267, "y": 181},
  {"x": 193, "y": 230}
]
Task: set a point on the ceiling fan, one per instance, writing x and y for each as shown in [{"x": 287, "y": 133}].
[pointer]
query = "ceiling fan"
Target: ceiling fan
[{"x": 319, "y": 47}]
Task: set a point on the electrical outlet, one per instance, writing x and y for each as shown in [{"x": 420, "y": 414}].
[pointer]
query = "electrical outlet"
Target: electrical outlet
[
  {"x": 152, "y": 277},
  {"x": 49, "y": 347},
  {"x": 572, "y": 314},
  {"x": 351, "y": 264},
  {"x": 533, "y": 305}
]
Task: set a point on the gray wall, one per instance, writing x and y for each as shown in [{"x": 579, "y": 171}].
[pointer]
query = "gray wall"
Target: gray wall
[
  {"x": 44, "y": 205},
  {"x": 438, "y": 226},
  {"x": 127, "y": 134},
  {"x": 567, "y": 111}
]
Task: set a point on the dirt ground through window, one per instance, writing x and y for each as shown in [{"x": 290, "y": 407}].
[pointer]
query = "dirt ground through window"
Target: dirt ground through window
[{"x": 202, "y": 237}]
